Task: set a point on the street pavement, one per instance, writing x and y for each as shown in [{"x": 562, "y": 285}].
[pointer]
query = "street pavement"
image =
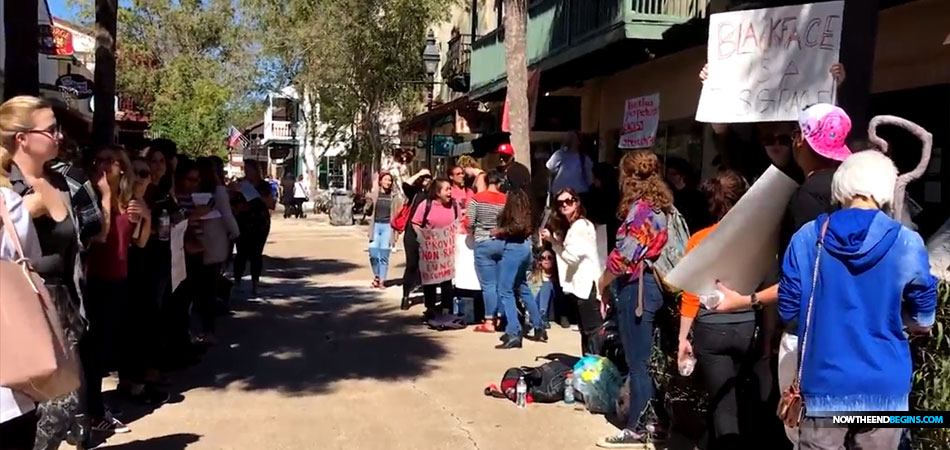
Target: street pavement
[{"x": 322, "y": 361}]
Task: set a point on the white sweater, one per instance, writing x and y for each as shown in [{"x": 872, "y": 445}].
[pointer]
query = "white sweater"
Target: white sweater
[{"x": 578, "y": 259}]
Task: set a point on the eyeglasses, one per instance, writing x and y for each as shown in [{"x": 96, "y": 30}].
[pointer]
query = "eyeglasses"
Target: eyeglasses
[
  {"x": 566, "y": 202},
  {"x": 54, "y": 131},
  {"x": 455, "y": 174}
]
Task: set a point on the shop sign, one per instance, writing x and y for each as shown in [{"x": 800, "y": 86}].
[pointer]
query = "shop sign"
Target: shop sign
[
  {"x": 63, "y": 39},
  {"x": 766, "y": 65},
  {"x": 76, "y": 84}
]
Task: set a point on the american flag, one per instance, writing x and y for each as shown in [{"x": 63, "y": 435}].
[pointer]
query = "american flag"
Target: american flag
[{"x": 235, "y": 138}]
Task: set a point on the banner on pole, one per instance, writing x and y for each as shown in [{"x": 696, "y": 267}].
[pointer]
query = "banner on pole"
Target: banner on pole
[
  {"x": 436, "y": 254},
  {"x": 766, "y": 65},
  {"x": 640, "y": 119}
]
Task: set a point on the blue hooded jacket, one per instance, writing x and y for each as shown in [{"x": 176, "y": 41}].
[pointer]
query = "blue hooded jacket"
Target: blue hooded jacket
[{"x": 873, "y": 270}]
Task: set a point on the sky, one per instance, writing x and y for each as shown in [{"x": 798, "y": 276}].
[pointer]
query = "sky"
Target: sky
[{"x": 59, "y": 8}]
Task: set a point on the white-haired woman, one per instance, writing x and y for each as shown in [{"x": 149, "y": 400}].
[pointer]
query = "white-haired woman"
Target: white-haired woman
[{"x": 854, "y": 292}]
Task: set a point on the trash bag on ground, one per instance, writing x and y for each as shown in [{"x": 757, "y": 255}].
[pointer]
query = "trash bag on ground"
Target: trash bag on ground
[{"x": 598, "y": 381}]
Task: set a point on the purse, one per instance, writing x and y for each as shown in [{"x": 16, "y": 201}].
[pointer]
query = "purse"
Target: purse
[
  {"x": 401, "y": 219},
  {"x": 791, "y": 406},
  {"x": 35, "y": 356}
]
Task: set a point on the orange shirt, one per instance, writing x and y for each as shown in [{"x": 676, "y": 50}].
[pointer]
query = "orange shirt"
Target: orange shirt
[{"x": 690, "y": 303}]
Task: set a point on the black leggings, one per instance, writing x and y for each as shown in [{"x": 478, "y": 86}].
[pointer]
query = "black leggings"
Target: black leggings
[
  {"x": 19, "y": 433},
  {"x": 445, "y": 303},
  {"x": 411, "y": 277},
  {"x": 588, "y": 317},
  {"x": 250, "y": 247}
]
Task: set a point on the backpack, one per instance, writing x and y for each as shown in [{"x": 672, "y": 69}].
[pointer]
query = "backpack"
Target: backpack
[
  {"x": 425, "y": 215},
  {"x": 545, "y": 382},
  {"x": 677, "y": 235}
]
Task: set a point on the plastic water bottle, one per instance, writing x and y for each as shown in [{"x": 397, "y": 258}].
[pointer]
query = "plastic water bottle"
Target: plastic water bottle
[
  {"x": 687, "y": 365},
  {"x": 522, "y": 390},
  {"x": 164, "y": 226},
  {"x": 569, "y": 388},
  {"x": 457, "y": 308},
  {"x": 711, "y": 301}
]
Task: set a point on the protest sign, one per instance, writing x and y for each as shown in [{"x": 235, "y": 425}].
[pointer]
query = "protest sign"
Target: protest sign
[
  {"x": 436, "y": 254},
  {"x": 179, "y": 272},
  {"x": 640, "y": 119},
  {"x": 767, "y": 65},
  {"x": 742, "y": 251}
]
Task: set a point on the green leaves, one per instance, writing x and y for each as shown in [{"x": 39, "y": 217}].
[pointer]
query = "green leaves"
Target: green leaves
[{"x": 931, "y": 381}]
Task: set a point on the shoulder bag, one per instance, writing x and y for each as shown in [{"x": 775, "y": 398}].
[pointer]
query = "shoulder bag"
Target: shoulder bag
[
  {"x": 791, "y": 407},
  {"x": 35, "y": 355}
]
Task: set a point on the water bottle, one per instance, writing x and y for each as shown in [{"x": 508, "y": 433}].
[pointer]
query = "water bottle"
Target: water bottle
[
  {"x": 687, "y": 365},
  {"x": 522, "y": 390},
  {"x": 164, "y": 226},
  {"x": 711, "y": 301},
  {"x": 457, "y": 308},
  {"x": 569, "y": 388}
]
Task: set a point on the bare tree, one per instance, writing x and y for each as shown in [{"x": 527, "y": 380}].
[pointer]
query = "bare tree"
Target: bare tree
[{"x": 516, "y": 18}]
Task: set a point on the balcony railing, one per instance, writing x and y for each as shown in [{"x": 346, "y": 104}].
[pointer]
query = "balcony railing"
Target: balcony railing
[
  {"x": 561, "y": 30},
  {"x": 458, "y": 59},
  {"x": 278, "y": 130}
]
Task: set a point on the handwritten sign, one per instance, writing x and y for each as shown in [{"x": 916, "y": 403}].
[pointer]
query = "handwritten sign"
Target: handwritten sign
[
  {"x": 766, "y": 65},
  {"x": 436, "y": 254},
  {"x": 640, "y": 119}
]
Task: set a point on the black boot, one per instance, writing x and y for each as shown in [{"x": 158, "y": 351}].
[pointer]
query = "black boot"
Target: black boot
[
  {"x": 539, "y": 335},
  {"x": 405, "y": 304},
  {"x": 514, "y": 342}
]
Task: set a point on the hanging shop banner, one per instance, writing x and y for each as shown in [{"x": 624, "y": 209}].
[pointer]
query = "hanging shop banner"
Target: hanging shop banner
[
  {"x": 640, "y": 119},
  {"x": 76, "y": 84},
  {"x": 436, "y": 254},
  {"x": 766, "y": 65}
]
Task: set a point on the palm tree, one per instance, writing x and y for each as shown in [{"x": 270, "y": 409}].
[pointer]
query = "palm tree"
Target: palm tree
[{"x": 516, "y": 18}]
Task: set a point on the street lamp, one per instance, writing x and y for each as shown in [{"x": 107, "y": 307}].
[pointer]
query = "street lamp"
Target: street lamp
[{"x": 431, "y": 57}]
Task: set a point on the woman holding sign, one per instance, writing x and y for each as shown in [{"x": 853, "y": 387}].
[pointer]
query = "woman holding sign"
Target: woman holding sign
[{"x": 435, "y": 222}]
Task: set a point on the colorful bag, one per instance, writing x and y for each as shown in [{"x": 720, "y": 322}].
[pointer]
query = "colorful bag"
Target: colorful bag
[
  {"x": 401, "y": 219},
  {"x": 35, "y": 355}
]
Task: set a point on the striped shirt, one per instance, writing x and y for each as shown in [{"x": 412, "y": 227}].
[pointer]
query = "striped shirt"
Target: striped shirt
[{"x": 482, "y": 215}]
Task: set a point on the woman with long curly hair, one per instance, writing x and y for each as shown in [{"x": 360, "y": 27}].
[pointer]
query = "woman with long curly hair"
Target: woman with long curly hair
[
  {"x": 574, "y": 240},
  {"x": 644, "y": 210},
  {"x": 515, "y": 228}
]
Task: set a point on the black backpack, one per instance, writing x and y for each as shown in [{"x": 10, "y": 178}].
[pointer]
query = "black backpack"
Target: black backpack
[
  {"x": 425, "y": 215},
  {"x": 545, "y": 382}
]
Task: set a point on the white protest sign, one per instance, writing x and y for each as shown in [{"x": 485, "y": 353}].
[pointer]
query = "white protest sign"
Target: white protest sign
[
  {"x": 640, "y": 119},
  {"x": 766, "y": 65},
  {"x": 743, "y": 249},
  {"x": 179, "y": 272},
  {"x": 436, "y": 254}
]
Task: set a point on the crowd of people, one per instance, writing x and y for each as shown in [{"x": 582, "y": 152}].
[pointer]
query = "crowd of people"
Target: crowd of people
[
  {"x": 854, "y": 283},
  {"x": 99, "y": 226}
]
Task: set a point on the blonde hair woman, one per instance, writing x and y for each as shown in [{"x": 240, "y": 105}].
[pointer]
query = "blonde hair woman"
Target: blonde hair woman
[{"x": 473, "y": 169}]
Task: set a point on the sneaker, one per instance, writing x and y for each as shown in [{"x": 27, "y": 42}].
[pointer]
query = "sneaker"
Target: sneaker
[
  {"x": 626, "y": 439},
  {"x": 110, "y": 425}
]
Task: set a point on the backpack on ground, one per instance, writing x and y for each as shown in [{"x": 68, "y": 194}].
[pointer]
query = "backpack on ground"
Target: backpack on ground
[{"x": 545, "y": 382}]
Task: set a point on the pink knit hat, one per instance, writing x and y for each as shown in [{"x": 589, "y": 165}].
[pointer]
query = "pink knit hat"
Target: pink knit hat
[{"x": 825, "y": 128}]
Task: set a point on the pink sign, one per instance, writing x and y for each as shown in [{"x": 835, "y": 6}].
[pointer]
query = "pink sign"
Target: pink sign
[{"x": 640, "y": 120}]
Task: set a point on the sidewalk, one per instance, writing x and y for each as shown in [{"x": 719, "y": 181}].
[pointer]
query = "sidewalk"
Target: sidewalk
[{"x": 323, "y": 362}]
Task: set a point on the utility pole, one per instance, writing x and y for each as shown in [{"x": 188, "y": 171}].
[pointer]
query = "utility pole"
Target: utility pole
[
  {"x": 21, "y": 64},
  {"x": 103, "y": 120},
  {"x": 858, "y": 38}
]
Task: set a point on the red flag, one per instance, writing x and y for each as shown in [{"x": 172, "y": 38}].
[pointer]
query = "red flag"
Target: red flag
[
  {"x": 534, "y": 83},
  {"x": 504, "y": 116}
]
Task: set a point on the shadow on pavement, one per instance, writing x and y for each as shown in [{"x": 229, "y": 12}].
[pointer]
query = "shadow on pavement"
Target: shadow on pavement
[
  {"x": 171, "y": 442},
  {"x": 302, "y": 337}
]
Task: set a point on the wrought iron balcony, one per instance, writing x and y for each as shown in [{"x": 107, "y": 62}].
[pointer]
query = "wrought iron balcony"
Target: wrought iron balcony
[{"x": 458, "y": 64}]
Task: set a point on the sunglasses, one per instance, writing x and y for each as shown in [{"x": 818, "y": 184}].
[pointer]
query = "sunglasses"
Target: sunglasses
[
  {"x": 455, "y": 174},
  {"x": 547, "y": 258},
  {"x": 566, "y": 202},
  {"x": 53, "y": 131}
]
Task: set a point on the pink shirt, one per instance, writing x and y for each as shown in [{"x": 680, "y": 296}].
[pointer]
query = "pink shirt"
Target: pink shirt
[
  {"x": 439, "y": 216},
  {"x": 462, "y": 197}
]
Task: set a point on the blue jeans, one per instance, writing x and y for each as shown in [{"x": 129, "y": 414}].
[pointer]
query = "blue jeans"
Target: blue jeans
[
  {"x": 513, "y": 275},
  {"x": 487, "y": 258},
  {"x": 636, "y": 333},
  {"x": 379, "y": 249},
  {"x": 545, "y": 296}
]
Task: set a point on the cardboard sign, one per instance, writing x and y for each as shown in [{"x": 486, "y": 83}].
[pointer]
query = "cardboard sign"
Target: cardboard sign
[
  {"x": 766, "y": 65},
  {"x": 640, "y": 119},
  {"x": 436, "y": 254}
]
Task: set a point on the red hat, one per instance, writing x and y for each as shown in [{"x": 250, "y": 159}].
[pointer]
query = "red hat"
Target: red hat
[{"x": 505, "y": 149}]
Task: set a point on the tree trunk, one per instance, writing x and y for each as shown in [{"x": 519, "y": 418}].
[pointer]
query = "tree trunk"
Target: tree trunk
[
  {"x": 103, "y": 120},
  {"x": 516, "y": 18},
  {"x": 22, "y": 74}
]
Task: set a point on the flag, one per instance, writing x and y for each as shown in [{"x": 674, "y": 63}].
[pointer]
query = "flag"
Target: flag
[{"x": 235, "y": 137}]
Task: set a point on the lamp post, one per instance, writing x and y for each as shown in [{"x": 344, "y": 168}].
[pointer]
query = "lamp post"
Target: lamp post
[{"x": 430, "y": 60}]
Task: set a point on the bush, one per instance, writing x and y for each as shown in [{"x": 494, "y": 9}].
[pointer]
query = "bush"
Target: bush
[{"x": 931, "y": 390}]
